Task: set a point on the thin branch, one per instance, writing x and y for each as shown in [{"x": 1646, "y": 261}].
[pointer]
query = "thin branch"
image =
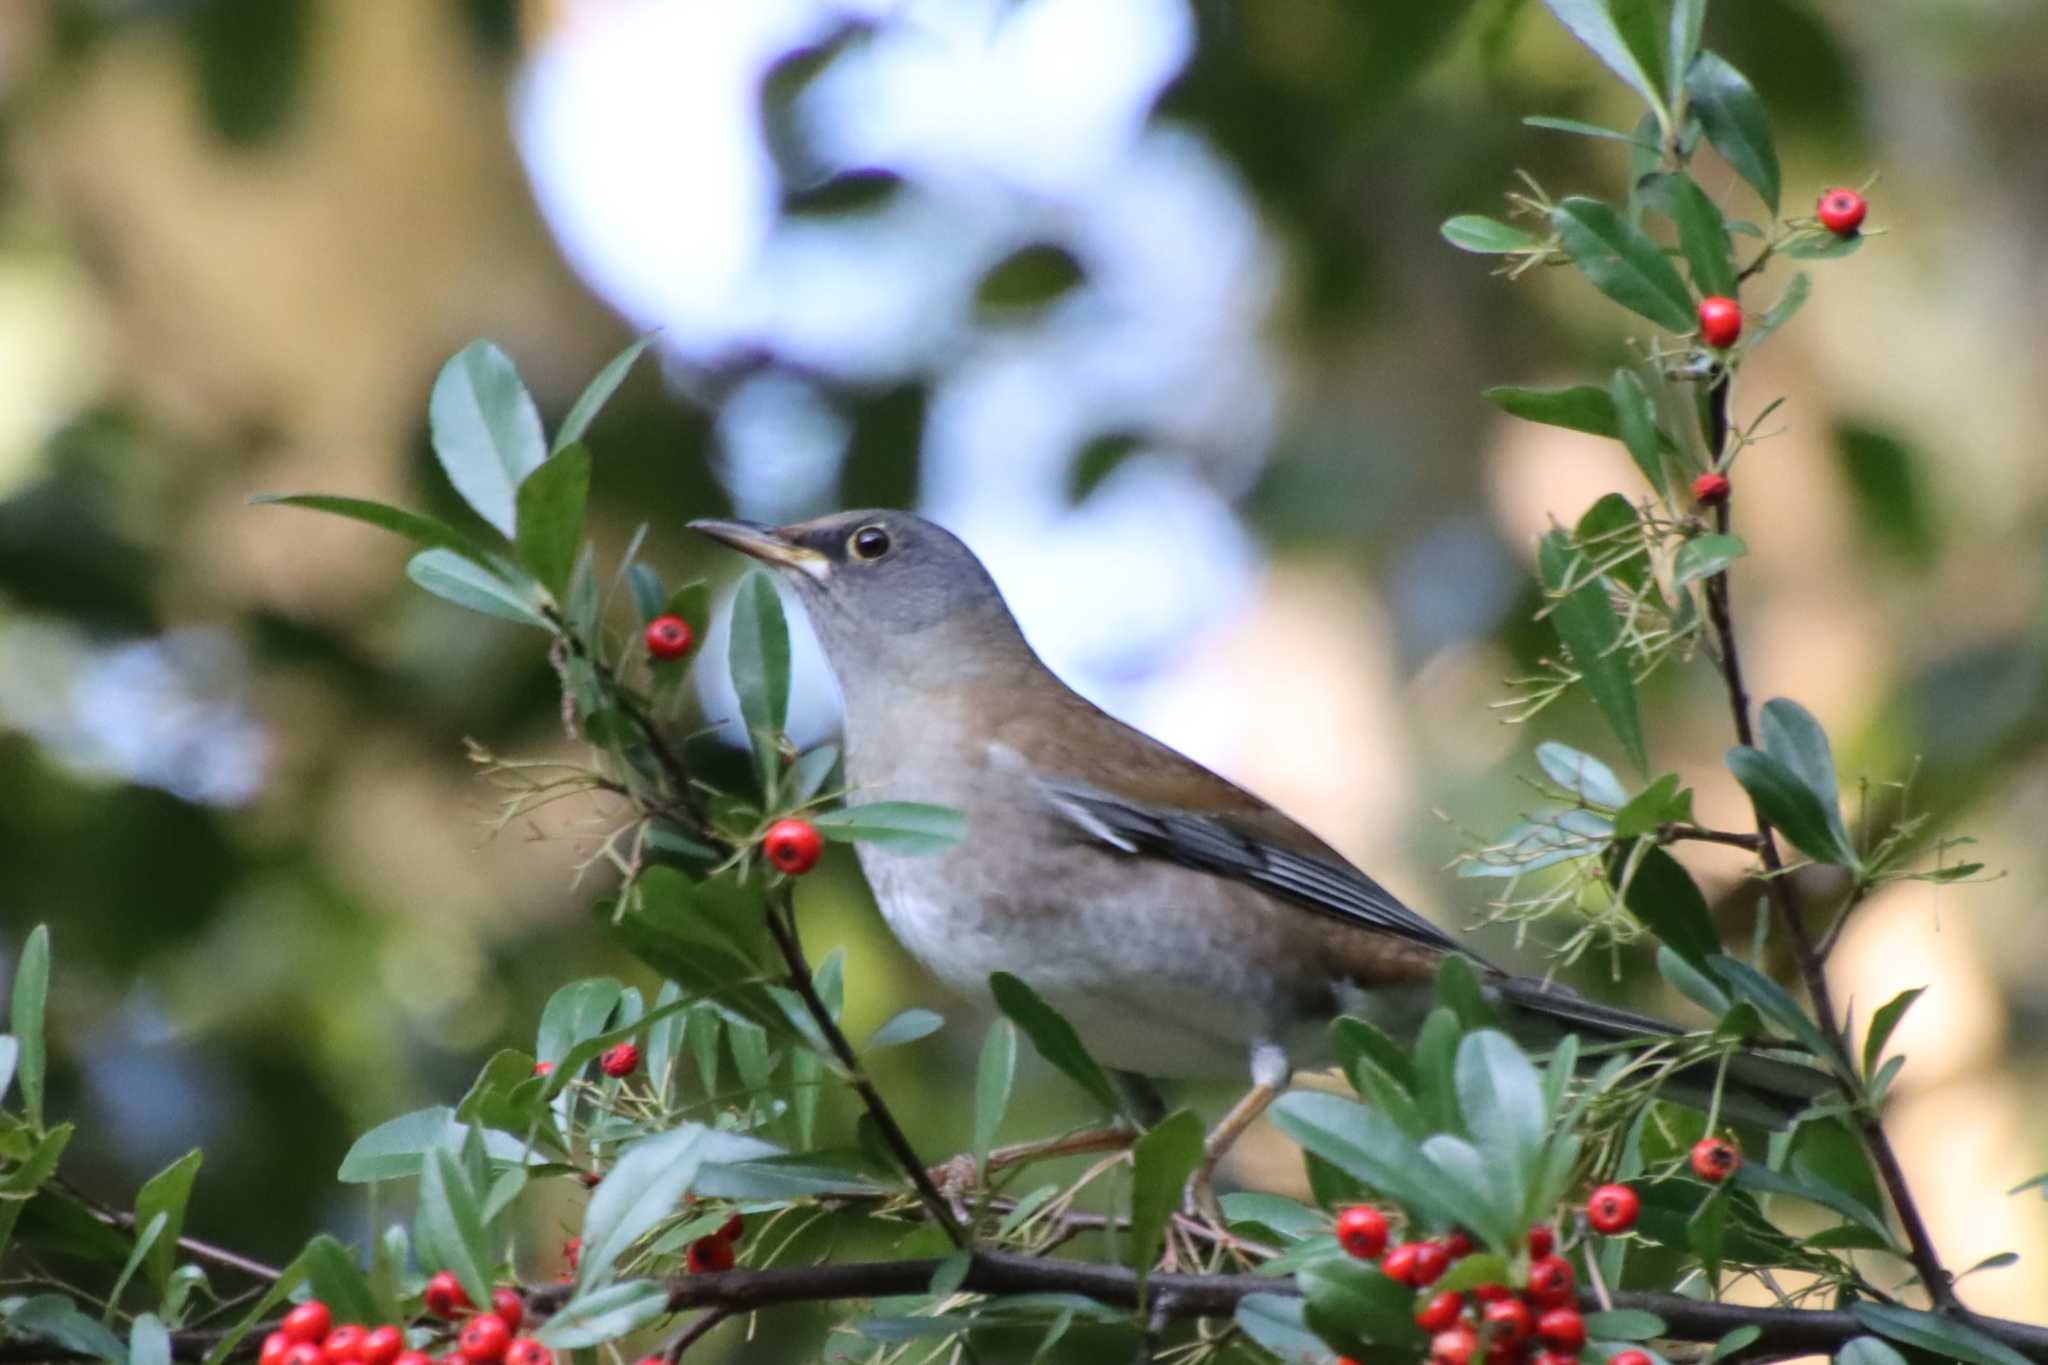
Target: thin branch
[
  {"x": 1677, "y": 831},
  {"x": 782, "y": 925},
  {"x": 1925, "y": 1259},
  {"x": 700, "y": 1327},
  {"x": 191, "y": 1246}
]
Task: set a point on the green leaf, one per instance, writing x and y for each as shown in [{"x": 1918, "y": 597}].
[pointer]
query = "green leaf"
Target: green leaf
[
  {"x": 1366, "y": 1146},
  {"x": 422, "y": 530},
  {"x": 1582, "y": 407},
  {"x": 1883, "y": 1022},
  {"x": 259, "y": 1311},
  {"x": 639, "y": 1191},
  {"x": 1704, "y": 556},
  {"x": 1735, "y": 1341},
  {"x": 10, "y": 1057},
  {"x": 1161, "y": 1162},
  {"x": 1736, "y": 123},
  {"x": 1685, "y": 977},
  {"x": 1688, "y": 17},
  {"x": 905, "y": 1027},
  {"x": 1581, "y": 129},
  {"x": 1275, "y": 1321},
  {"x": 1891, "y": 502},
  {"x": 1643, "y": 27},
  {"x": 1590, "y": 631},
  {"x": 1780, "y": 313},
  {"x": 575, "y": 1013},
  {"x": 449, "y": 1224},
  {"x": 551, "y": 503},
  {"x": 1593, "y": 22},
  {"x": 39, "y": 1163},
  {"x": 1623, "y": 263},
  {"x": 1773, "y": 1004},
  {"x": 167, "y": 1193},
  {"x": 1477, "y": 233},
  {"x": 1292, "y": 1220},
  {"x": 1583, "y": 775},
  {"x": 1354, "y": 1307},
  {"x": 1867, "y": 1351},
  {"x": 597, "y": 393},
  {"x": 603, "y": 1315},
  {"x": 1610, "y": 532},
  {"x": 1458, "y": 990},
  {"x": 1053, "y": 1038},
  {"x": 338, "y": 1281},
  {"x": 392, "y": 1150},
  {"x": 1820, "y": 246},
  {"x": 1792, "y": 735},
  {"x": 1943, "y": 1336},
  {"x": 1652, "y": 807},
  {"x": 1663, "y": 895},
  {"x": 448, "y": 575},
  {"x": 146, "y": 1236},
  {"x": 993, "y": 1078},
  {"x": 906, "y": 827},
  {"x": 758, "y": 657},
  {"x": 1784, "y": 799},
  {"x": 1635, "y": 422},
  {"x": 31, "y": 990},
  {"x": 1624, "y": 1324},
  {"x": 1702, "y": 233},
  {"x": 149, "y": 1342},
  {"x": 1501, "y": 1097},
  {"x": 486, "y": 430}
]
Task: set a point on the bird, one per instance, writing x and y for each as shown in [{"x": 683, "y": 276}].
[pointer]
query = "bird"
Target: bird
[{"x": 1186, "y": 928}]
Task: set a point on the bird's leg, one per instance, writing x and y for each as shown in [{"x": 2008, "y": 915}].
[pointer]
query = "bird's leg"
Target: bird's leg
[
  {"x": 956, "y": 1175},
  {"x": 1270, "y": 1070}
]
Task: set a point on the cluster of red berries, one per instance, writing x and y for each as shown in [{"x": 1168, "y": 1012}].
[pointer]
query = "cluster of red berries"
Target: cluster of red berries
[
  {"x": 668, "y": 637},
  {"x": 308, "y": 1336},
  {"x": 793, "y": 846}
]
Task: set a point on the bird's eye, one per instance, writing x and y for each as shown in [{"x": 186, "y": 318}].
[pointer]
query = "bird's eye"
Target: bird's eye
[{"x": 869, "y": 542}]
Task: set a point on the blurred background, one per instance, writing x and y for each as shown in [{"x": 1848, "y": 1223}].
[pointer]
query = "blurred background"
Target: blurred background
[{"x": 1145, "y": 300}]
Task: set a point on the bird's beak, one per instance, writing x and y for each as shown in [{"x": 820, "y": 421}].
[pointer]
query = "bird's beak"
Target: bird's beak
[{"x": 766, "y": 544}]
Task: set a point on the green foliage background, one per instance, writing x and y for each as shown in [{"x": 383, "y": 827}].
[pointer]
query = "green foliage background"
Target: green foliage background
[{"x": 237, "y": 238}]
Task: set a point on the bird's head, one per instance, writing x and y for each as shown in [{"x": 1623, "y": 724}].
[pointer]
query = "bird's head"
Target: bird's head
[{"x": 893, "y": 598}]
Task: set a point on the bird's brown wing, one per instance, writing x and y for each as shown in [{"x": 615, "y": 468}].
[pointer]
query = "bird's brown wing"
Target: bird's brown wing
[{"x": 1127, "y": 790}]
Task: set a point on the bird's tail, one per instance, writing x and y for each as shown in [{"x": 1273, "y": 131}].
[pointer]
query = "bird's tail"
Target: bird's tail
[{"x": 1768, "y": 1089}]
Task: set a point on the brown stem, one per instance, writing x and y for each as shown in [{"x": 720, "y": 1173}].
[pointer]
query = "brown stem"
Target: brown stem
[
  {"x": 1811, "y": 958},
  {"x": 782, "y": 925},
  {"x": 1677, "y": 831},
  {"x": 191, "y": 1246},
  {"x": 700, "y": 1327}
]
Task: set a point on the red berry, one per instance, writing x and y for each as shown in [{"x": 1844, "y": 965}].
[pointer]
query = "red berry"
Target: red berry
[
  {"x": 668, "y": 637},
  {"x": 344, "y": 1343},
  {"x": 310, "y": 1322},
  {"x": 1631, "y": 1357},
  {"x": 1542, "y": 1240},
  {"x": 383, "y": 1345},
  {"x": 1362, "y": 1231},
  {"x": 1555, "y": 1358},
  {"x": 1550, "y": 1282},
  {"x": 527, "y": 1351},
  {"x": 453, "y": 1358},
  {"x": 1562, "y": 1328},
  {"x": 1613, "y": 1208},
  {"x": 1457, "y": 1244},
  {"x": 1440, "y": 1312},
  {"x": 793, "y": 846},
  {"x": 1509, "y": 1320},
  {"x": 1431, "y": 1261},
  {"x": 274, "y": 1347},
  {"x": 543, "y": 1068},
  {"x": 1455, "y": 1346},
  {"x": 572, "y": 1251},
  {"x": 1710, "y": 489},
  {"x": 413, "y": 1358},
  {"x": 619, "y": 1061},
  {"x": 1841, "y": 211},
  {"x": 445, "y": 1296},
  {"x": 1398, "y": 1264},
  {"x": 507, "y": 1303},
  {"x": 1491, "y": 1293},
  {"x": 709, "y": 1255},
  {"x": 484, "y": 1338},
  {"x": 732, "y": 1229},
  {"x": 1714, "y": 1159},
  {"x": 305, "y": 1353},
  {"x": 1720, "y": 321}
]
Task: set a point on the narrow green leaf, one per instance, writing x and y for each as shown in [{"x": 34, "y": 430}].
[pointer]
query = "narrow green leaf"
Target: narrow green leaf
[
  {"x": 486, "y": 430},
  {"x": 1688, "y": 17},
  {"x": 1582, "y": 407},
  {"x": 1883, "y": 1022},
  {"x": 1643, "y": 28},
  {"x": 338, "y": 1280},
  {"x": 167, "y": 1192},
  {"x": 1780, "y": 313},
  {"x": 1704, "y": 556},
  {"x": 1366, "y": 1146},
  {"x": 551, "y": 503},
  {"x": 1623, "y": 263},
  {"x": 1580, "y": 128},
  {"x": 905, "y": 1027},
  {"x": 1635, "y": 422},
  {"x": 1502, "y": 1099},
  {"x": 428, "y": 532},
  {"x": 1930, "y": 1332},
  {"x": 293, "y": 1275},
  {"x": 1290, "y": 1219},
  {"x": 1053, "y": 1038},
  {"x": 575, "y": 1013},
  {"x": 149, "y": 1341},
  {"x": 1791, "y": 734},
  {"x": 758, "y": 657},
  {"x": 31, "y": 990},
  {"x": 1458, "y": 990},
  {"x": 1771, "y": 1001},
  {"x": 1477, "y": 233},
  {"x": 450, "y": 1224},
  {"x": 54, "y": 1318},
  {"x": 1592, "y": 22},
  {"x": 146, "y": 1237},
  {"x": 1785, "y": 800},
  {"x": 1276, "y": 1322},
  {"x": 1736, "y": 122},
  {"x": 1590, "y": 631},
  {"x": 1820, "y": 246},
  {"x": 1161, "y": 1162},
  {"x": 640, "y": 1190},
  {"x": 1737, "y": 1340},
  {"x": 1624, "y": 1324},
  {"x": 1583, "y": 775},
  {"x": 906, "y": 827},
  {"x": 603, "y": 1315},
  {"x": 1867, "y": 1351},
  {"x": 1702, "y": 233},
  {"x": 1354, "y": 1308},
  {"x": 1663, "y": 895},
  {"x": 993, "y": 1078},
  {"x": 10, "y": 1057},
  {"x": 448, "y": 575},
  {"x": 1688, "y": 980},
  {"x": 597, "y": 393}
]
